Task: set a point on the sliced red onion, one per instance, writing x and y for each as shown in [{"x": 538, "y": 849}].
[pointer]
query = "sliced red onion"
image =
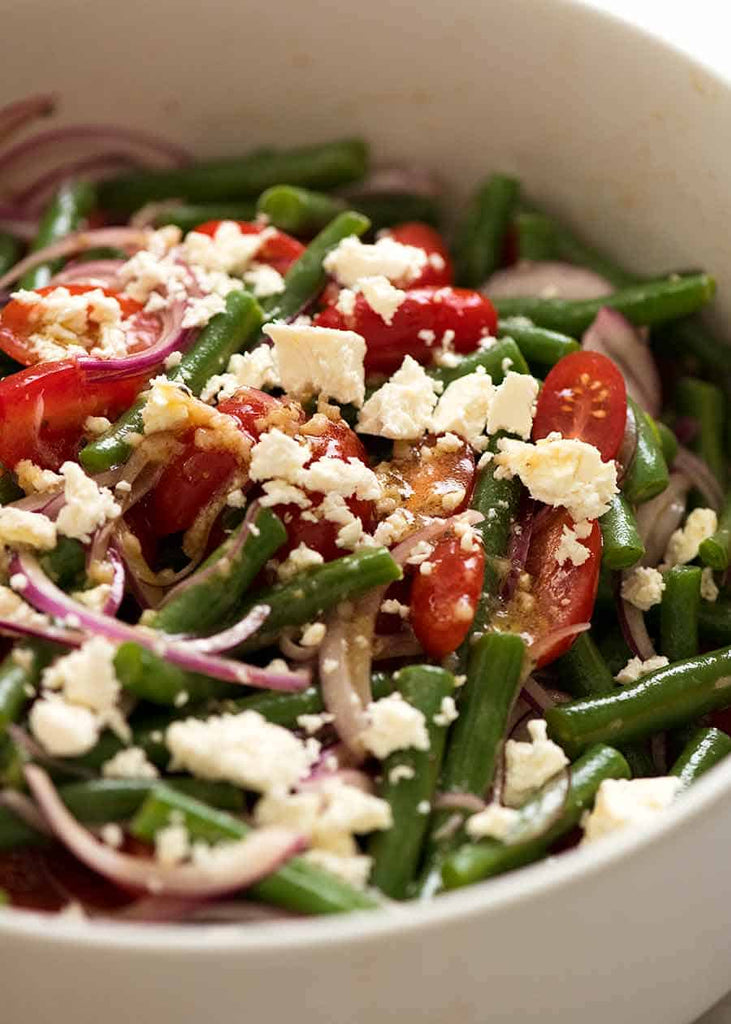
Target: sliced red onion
[
  {"x": 50, "y": 632},
  {"x": 17, "y": 115},
  {"x": 148, "y": 216},
  {"x": 341, "y": 683},
  {"x": 634, "y": 629},
  {"x": 45, "y": 596},
  {"x": 229, "y": 638},
  {"x": 700, "y": 476},
  {"x": 23, "y": 807},
  {"x": 262, "y": 852},
  {"x": 541, "y": 698},
  {"x": 628, "y": 447},
  {"x": 459, "y": 802},
  {"x": 102, "y": 273},
  {"x": 173, "y": 337},
  {"x": 518, "y": 547},
  {"x": 538, "y": 648},
  {"x": 294, "y": 651},
  {"x": 25, "y": 228},
  {"x": 614, "y": 336},
  {"x": 81, "y": 241},
  {"x": 35, "y": 196},
  {"x": 660, "y": 517},
  {"x": 686, "y": 429},
  {"x": 116, "y": 588},
  {"x": 546, "y": 279}
]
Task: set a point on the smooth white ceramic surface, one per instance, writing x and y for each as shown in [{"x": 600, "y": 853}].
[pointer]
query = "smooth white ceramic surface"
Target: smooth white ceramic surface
[{"x": 628, "y": 139}]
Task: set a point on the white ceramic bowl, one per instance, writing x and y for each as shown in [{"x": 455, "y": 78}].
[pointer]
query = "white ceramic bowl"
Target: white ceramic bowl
[{"x": 623, "y": 136}]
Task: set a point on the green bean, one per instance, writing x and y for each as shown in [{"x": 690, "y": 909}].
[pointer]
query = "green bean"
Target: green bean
[
  {"x": 396, "y": 851},
  {"x": 621, "y": 542},
  {"x": 704, "y": 749},
  {"x": 64, "y": 214},
  {"x": 650, "y": 303},
  {"x": 66, "y": 563},
  {"x": 647, "y": 473},
  {"x": 299, "y": 885},
  {"x": 705, "y": 403},
  {"x": 673, "y": 695},
  {"x": 103, "y": 800},
  {"x": 537, "y": 344},
  {"x": 690, "y": 337},
  {"x": 544, "y": 818},
  {"x": 318, "y": 166},
  {"x": 714, "y": 621},
  {"x": 308, "y": 594},
  {"x": 384, "y": 209},
  {"x": 536, "y": 237},
  {"x": 681, "y": 601},
  {"x": 226, "y": 333},
  {"x": 150, "y": 677},
  {"x": 299, "y": 210},
  {"x": 668, "y": 442},
  {"x": 9, "y": 489},
  {"x": 494, "y": 678},
  {"x": 187, "y": 217},
  {"x": 306, "y": 278},
  {"x": 204, "y": 606},
  {"x": 496, "y": 360},
  {"x": 9, "y": 252},
  {"x": 715, "y": 551},
  {"x": 481, "y": 234},
  {"x": 19, "y": 674}
]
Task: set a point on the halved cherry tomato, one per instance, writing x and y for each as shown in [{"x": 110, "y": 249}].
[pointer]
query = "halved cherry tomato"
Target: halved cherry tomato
[
  {"x": 16, "y": 323},
  {"x": 279, "y": 250},
  {"x": 559, "y": 596},
  {"x": 43, "y": 409},
  {"x": 419, "y": 324},
  {"x": 584, "y": 396},
  {"x": 420, "y": 481},
  {"x": 438, "y": 271},
  {"x": 443, "y": 603}
]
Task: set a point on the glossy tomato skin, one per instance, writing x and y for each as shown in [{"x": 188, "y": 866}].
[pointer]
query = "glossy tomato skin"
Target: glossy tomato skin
[
  {"x": 584, "y": 396},
  {"x": 559, "y": 596},
  {"x": 279, "y": 250},
  {"x": 16, "y": 325},
  {"x": 419, "y": 481},
  {"x": 43, "y": 409},
  {"x": 438, "y": 271},
  {"x": 467, "y": 314},
  {"x": 444, "y": 602}
]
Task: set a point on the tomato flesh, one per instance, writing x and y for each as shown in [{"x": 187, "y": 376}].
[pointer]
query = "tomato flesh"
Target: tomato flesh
[
  {"x": 423, "y": 236},
  {"x": 559, "y": 596},
  {"x": 430, "y": 312},
  {"x": 279, "y": 250},
  {"x": 444, "y": 602},
  {"x": 420, "y": 481},
  {"x": 584, "y": 396}
]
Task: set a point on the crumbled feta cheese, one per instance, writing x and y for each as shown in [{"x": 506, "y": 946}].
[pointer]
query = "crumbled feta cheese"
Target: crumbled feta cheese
[
  {"x": 64, "y": 324},
  {"x": 87, "y": 506},
  {"x": 174, "y": 359},
  {"x": 172, "y": 845},
  {"x": 334, "y": 509},
  {"x": 514, "y": 405},
  {"x": 643, "y": 587},
  {"x": 255, "y": 369},
  {"x": 570, "y": 548},
  {"x": 393, "y": 607},
  {"x": 495, "y": 822},
  {"x": 96, "y": 425},
  {"x": 86, "y": 677},
  {"x": 14, "y": 609},
  {"x": 393, "y": 724},
  {"x": 244, "y": 749},
  {"x": 463, "y": 408},
  {"x": 402, "y": 408},
  {"x": 313, "y": 634},
  {"x": 94, "y": 598},
  {"x": 684, "y": 543},
  {"x": 709, "y": 590},
  {"x": 452, "y": 499},
  {"x": 339, "y": 476},
  {"x": 353, "y": 869},
  {"x": 33, "y": 528},
  {"x": 277, "y": 492},
  {"x": 636, "y": 668},
  {"x": 346, "y": 302},
  {"x": 112, "y": 835},
  {"x": 560, "y": 472},
  {"x": 264, "y": 280},
  {"x": 382, "y": 297},
  {"x": 529, "y": 765},
  {"x": 448, "y": 443},
  {"x": 154, "y": 279},
  {"x": 34, "y": 479},
  {"x": 351, "y": 260},
  {"x": 320, "y": 360},
  {"x": 276, "y": 456},
  {"x": 628, "y": 803},
  {"x": 401, "y": 773},
  {"x": 298, "y": 560},
  {"x": 63, "y": 730},
  {"x": 166, "y": 406},
  {"x": 229, "y": 251},
  {"x": 447, "y": 712},
  {"x": 314, "y": 723},
  {"x": 200, "y": 310}
]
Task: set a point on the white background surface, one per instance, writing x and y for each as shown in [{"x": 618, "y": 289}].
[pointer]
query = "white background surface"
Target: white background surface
[{"x": 701, "y": 28}]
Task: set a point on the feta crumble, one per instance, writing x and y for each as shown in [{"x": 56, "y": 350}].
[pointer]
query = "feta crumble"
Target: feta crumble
[
  {"x": 529, "y": 765},
  {"x": 684, "y": 543},
  {"x": 643, "y": 587},
  {"x": 351, "y": 260},
  {"x": 402, "y": 408},
  {"x": 495, "y": 822},
  {"x": 514, "y": 405},
  {"x": 131, "y": 763},
  {"x": 320, "y": 360},
  {"x": 464, "y": 407},
  {"x": 87, "y": 506},
  {"x": 570, "y": 548},
  {"x": 628, "y": 803},
  {"x": 32, "y": 528},
  {"x": 393, "y": 724},
  {"x": 636, "y": 668}
]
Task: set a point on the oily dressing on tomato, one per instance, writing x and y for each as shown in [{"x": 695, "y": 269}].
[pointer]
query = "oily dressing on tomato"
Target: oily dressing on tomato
[
  {"x": 431, "y": 478},
  {"x": 584, "y": 396},
  {"x": 444, "y": 600},
  {"x": 18, "y": 323},
  {"x": 278, "y": 250}
]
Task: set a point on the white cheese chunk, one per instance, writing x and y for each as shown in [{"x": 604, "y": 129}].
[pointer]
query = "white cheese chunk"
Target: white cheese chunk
[
  {"x": 320, "y": 360},
  {"x": 298, "y": 560},
  {"x": 339, "y": 476},
  {"x": 402, "y": 408},
  {"x": 529, "y": 765},
  {"x": 393, "y": 724},
  {"x": 514, "y": 405},
  {"x": 34, "y": 479},
  {"x": 628, "y": 803},
  {"x": 495, "y": 822},
  {"x": 570, "y": 548},
  {"x": 352, "y": 260},
  {"x": 17, "y": 526},
  {"x": 636, "y": 668},
  {"x": 382, "y": 297},
  {"x": 63, "y": 730},
  {"x": 464, "y": 407},
  {"x": 709, "y": 590},
  {"x": 684, "y": 543},
  {"x": 87, "y": 506},
  {"x": 643, "y": 587},
  {"x": 63, "y": 324},
  {"x": 228, "y": 251},
  {"x": 130, "y": 763},
  {"x": 276, "y": 456}
]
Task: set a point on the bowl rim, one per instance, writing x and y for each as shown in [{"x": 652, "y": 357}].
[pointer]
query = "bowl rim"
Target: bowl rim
[{"x": 480, "y": 899}]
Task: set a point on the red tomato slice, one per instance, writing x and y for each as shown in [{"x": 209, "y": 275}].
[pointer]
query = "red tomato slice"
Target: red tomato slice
[
  {"x": 43, "y": 409},
  {"x": 584, "y": 396},
  {"x": 424, "y": 236},
  {"x": 279, "y": 250},
  {"x": 444, "y": 602},
  {"x": 420, "y": 481},
  {"x": 419, "y": 324},
  {"x": 16, "y": 325},
  {"x": 560, "y": 596}
]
